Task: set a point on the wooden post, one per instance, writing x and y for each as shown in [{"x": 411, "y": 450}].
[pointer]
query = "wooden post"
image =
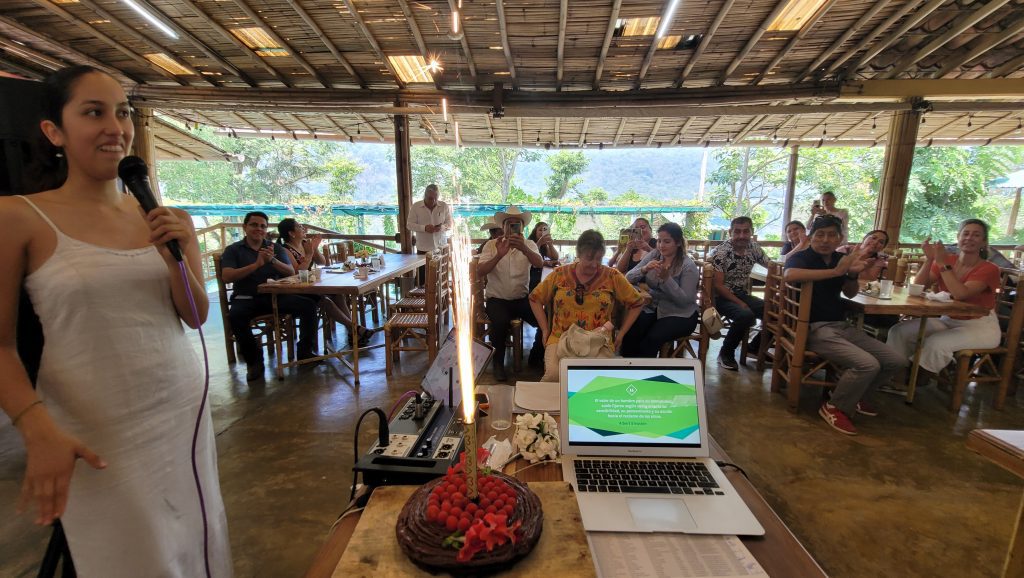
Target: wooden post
[
  {"x": 787, "y": 207},
  {"x": 1011, "y": 226},
  {"x": 899, "y": 158},
  {"x": 144, "y": 146},
  {"x": 404, "y": 173}
]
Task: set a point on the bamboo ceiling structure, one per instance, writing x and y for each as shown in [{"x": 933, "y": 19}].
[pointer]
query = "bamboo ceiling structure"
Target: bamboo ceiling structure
[{"x": 548, "y": 73}]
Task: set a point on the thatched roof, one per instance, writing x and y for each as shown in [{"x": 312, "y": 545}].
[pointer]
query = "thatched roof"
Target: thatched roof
[
  {"x": 174, "y": 143},
  {"x": 585, "y": 72}
]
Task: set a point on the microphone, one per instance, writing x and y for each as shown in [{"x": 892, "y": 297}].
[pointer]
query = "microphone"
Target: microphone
[{"x": 135, "y": 174}]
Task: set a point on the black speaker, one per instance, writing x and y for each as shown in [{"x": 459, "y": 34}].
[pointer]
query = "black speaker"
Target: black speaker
[{"x": 20, "y": 111}]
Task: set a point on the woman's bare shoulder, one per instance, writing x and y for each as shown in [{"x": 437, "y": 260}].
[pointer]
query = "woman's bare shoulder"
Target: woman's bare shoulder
[{"x": 17, "y": 216}]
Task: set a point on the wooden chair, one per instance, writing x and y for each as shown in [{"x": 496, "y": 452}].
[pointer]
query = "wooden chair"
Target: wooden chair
[
  {"x": 995, "y": 365},
  {"x": 423, "y": 328},
  {"x": 372, "y": 302},
  {"x": 263, "y": 325},
  {"x": 770, "y": 321},
  {"x": 696, "y": 344},
  {"x": 481, "y": 321},
  {"x": 795, "y": 366},
  {"x": 336, "y": 251},
  {"x": 415, "y": 300}
]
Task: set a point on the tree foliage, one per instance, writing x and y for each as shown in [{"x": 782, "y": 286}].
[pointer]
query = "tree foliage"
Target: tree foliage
[
  {"x": 747, "y": 182},
  {"x": 471, "y": 174},
  {"x": 566, "y": 168}
]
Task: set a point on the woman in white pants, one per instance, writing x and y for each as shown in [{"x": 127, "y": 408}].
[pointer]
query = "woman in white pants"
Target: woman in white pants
[{"x": 968, "y": 277}]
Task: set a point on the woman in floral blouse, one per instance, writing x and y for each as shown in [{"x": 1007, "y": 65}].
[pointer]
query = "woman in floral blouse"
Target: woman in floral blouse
[{"x": 585, "y": 294}]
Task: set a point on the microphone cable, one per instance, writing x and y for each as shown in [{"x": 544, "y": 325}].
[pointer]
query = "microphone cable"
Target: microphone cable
[{"x": 199, "y": 416}]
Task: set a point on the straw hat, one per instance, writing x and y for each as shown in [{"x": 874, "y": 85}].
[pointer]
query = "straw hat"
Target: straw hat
[
  {"x": 489, "y": 225},
  {"x": 512, "y": 212}
]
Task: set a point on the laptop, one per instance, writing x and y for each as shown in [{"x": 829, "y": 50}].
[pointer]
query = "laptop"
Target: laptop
[{"x": 635, "y": 447}]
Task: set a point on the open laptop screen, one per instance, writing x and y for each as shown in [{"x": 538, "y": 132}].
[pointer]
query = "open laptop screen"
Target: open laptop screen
[{"x": 637, "y": 406}]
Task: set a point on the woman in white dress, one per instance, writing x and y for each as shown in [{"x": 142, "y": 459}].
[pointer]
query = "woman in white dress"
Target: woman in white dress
[{"x": 119, "y": 442}]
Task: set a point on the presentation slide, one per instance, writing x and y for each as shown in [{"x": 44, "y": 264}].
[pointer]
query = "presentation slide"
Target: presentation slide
[{"x": 633, "y": 406}]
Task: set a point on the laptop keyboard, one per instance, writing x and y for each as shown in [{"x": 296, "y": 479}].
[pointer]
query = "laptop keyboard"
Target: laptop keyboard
[{"x": 645, "y": 477}]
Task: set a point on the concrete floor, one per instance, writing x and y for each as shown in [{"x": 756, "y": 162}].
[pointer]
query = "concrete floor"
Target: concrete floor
[{"x": 905, "y": 498}]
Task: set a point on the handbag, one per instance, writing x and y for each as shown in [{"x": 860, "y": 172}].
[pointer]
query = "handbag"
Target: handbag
[
  {"x": 578, "y": 342},
  {"x": 712, "y": 322}
]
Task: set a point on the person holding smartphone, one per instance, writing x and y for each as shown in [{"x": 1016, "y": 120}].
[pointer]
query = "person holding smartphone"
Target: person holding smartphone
[
  {"x": 641, "y": 241},
  {"x": 826, "y": 205},
  {"x": 506, "y": 262}
]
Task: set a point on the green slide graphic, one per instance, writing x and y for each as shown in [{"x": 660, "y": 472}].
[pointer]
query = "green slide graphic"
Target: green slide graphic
[{"x": 652, "y": 408}]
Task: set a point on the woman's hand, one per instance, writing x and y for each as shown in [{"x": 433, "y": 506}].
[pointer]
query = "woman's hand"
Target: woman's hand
[
  {"x": 165, "y": 226},
  {"x": 618, "y": 342},
  {"x": 315, "y": 240},
  {"x": 934, "y": 251},
  {"x": 51, "y": 461}
]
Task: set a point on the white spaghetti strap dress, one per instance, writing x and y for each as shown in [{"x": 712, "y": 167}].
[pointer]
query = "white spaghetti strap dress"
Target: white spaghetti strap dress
[{"x": 118, "y": 373}]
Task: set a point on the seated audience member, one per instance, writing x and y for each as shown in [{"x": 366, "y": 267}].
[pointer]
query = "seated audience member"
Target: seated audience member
[
  {"x": 796, "y": 239},
  {"x": 672, "y": 279},
  {"x": 303, "y": 253},
  {"x": 640, "y": 243},
  {"x": 506, "y": 263},
  {"x": 968, "y": 277},
  {"x": 732, "y": 261},
  {"x": 247, "y": 264},
  {"x": 493, "y": 232},
  {"x": 871, "y": 249},
  {"x": 585, "y": 294},
  {"x": 866, "y": 362},
  {"x": 541, "y": 235}
]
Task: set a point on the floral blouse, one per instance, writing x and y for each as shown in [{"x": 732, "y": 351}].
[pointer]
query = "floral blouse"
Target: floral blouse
[{"x": 557, "y": 293}]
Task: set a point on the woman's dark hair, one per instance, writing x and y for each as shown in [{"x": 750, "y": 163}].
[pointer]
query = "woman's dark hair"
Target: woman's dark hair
[
  {"x": 590, "y": 242},
  {"x": 984, "y": 227},
  {"x": 676, "y": 232},
  {"x": 533, "y": 233},
  {"x": 47, "y": 170},
  {"x": 797, "y": 223},
  {"x": 285, "y": 229}
]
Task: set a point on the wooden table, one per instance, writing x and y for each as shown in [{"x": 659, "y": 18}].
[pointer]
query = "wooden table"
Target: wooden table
[
  {"x": 778, "y": 551},
  {"x": 1005, "y": 448},
  {"x": 902, "y": 303},
  {"x": 336, "y": 282}
]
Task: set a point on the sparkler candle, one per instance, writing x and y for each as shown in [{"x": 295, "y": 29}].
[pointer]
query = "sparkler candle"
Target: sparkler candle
[{"x": 463, "y": 304}]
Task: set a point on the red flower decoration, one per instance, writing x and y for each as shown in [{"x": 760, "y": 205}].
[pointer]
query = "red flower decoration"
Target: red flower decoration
[{"x": 491, "y": 531}]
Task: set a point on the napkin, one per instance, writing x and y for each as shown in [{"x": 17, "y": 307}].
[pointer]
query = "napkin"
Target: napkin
[
  {"x": 942, "y": 296},
  {"x": 500, "y": 452},
  {"x": 286, "y": 280}
]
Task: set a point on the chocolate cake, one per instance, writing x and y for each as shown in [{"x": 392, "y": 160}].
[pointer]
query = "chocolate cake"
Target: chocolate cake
[{"x": 423, "y": 540}]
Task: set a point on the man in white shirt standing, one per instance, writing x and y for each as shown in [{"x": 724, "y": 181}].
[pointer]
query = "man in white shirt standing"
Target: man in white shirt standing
[
  {"x": 506, "y": 262},
  {"x": 429, "y": 219}
]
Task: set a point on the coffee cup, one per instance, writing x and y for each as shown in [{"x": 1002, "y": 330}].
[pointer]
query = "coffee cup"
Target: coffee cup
[
  {"x": 885, "y": 288},
  {"x": 364, "y": 271},
  {"x": 915, "y": 289}
]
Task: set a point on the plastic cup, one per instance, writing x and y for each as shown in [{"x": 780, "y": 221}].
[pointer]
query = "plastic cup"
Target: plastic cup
[
  {"x": 885, "y": 288},
  {"x": 916, "y": 289},
  {"x": 500, "y": 397},
  {"x": 364, "y": 271},
  {"x": 304, "y": 276}
]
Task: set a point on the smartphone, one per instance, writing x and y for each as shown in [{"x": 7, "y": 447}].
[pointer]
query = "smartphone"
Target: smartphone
[
  {"x": 515, "y": 228},
  {"x": 625, "y": 236}
]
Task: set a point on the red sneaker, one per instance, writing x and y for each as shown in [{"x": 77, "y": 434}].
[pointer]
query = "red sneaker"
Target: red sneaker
[
  {"x": 837, "y": 419},
  {"x": 865, "y": 408}
]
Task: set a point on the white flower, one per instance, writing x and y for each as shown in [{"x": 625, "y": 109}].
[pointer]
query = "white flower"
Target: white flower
[
  {"x": 536, "y": 437},
  {"x": 524, "y": 438}
]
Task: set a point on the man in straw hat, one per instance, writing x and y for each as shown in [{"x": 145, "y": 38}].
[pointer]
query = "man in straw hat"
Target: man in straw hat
[{"x": 506, "y": 262}]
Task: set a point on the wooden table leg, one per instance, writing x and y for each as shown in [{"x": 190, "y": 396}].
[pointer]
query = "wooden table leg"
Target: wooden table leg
[
  {"x": 1014, "y": 565},
  {"x": 278, "y": 370},
  {"x": 917, "y": 360},
  {"x": 354, "y": 335}
]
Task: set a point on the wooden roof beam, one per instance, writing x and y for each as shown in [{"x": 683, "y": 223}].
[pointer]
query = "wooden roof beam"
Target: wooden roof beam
[
  {"x": 563, "y": 14},
  {"x": 182, "y": 151},
  {"x": 854, "y": 127},
  {"x": 752, "y": 41},
  {"x": 372, "y": 128},
  {"x": 21, "y": 69},
  {"x": 936, "y": 129},
  {"x": 1016, "y": 129},
  {"x": 170, "y": 153},
  {"x": 869, "y": 37},
  {"x": 682, "y": 131},
  {"x": 431, "y": 131},
  {"x": 88, "y": 29},
  {"x": 609, "y": 32},
  {"x": 618, "y": 133},
  {"x": 654, "y": 131},
  {"x": 191, "y": 137},
  {"x": 963, "y": 89},
  {"x": 133, "y": 32},
  {"x": 707, "y": 134},
  {"x": 365, "y": 31},
  {"x": 814, "y": 129},
  {"x": 1008, "y": 67},
  {"x": 988, "y": 124},
  {"x": 326, "y": 42},
  {"x": 753, "y": 125},
  {"x": 227, "y": 35},
  {"x": 1009, "y": 32},
  {"x": 960, "y": 26},
  {"x": 583, "y": 133},
  {"x": 653, "y": 48},
  {"x": 464, "y": 42},
  {"x": 276, "y": 122},
  {"x": 506, "y": 47},
  {"x": 875, "y": 9},
  {"x": 52, "y": 44},
  {"x": 207, "y": 120},
  {"x": 912, "y": 21},
  {"x": 25, "y": 52},
  {"x": 197, "y": 43},
  {"x": 410, "y": 19},
  {"x": 339, "y": 127},
  {"x": 705, "y": 41},
  {"x": 795, "y": 40},
  {"x": 244, "y": 6}
]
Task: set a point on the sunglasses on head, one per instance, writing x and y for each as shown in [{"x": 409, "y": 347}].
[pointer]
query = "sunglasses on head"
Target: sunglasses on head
[{"x": 580, "y": 292}]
